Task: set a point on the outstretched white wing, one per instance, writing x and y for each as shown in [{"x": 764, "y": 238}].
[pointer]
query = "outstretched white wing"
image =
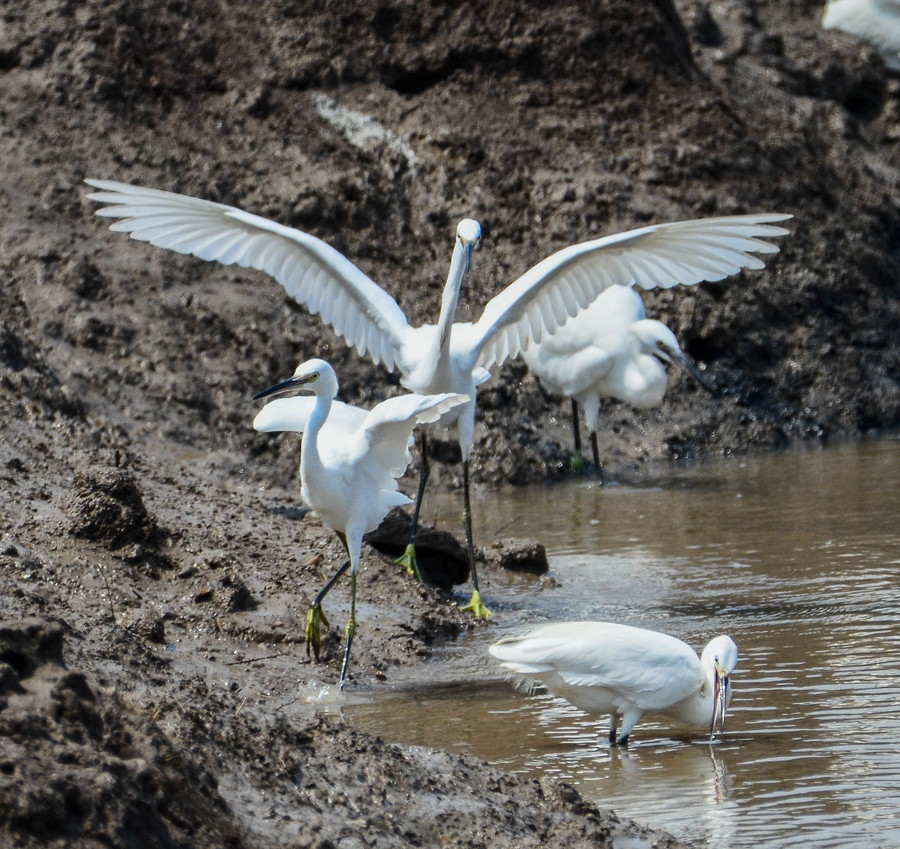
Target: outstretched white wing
[
  {"x": 292, "y": 414},
  {"x": 388, "y": 427},
  {"x": 380, "y": 437},
  {"x": 312, "y": 272},
  {"x": 662, "y": 255}
]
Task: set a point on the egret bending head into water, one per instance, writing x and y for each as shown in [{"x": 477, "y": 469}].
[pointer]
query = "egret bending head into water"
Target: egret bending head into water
[
  {"x": 349, "y": 464},
  {"x": 602, "y": 667},
  {"x": 448, "y": 356},
  {"x": 609, "y": 350}
]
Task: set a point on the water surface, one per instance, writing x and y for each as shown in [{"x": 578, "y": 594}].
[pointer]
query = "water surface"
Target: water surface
[{"x": 796, "y": 556}]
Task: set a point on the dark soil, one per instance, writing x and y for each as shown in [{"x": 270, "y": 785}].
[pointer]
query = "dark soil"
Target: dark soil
[{"x": 156, "y": 561}]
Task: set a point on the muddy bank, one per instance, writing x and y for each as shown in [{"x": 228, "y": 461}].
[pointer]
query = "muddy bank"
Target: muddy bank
[
  {"x": 88, "y": 760},
  {"x": 156, "y": 561}
]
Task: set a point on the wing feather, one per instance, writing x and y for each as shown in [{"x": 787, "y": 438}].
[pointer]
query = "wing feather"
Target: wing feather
[
  {"x": 653, "y": 668},
  {"x": 664, "y": 255},
  {"x": 357, "y": 308},
  {"x": 383, "y": 438},
  {"x": 292, "y": 414}
]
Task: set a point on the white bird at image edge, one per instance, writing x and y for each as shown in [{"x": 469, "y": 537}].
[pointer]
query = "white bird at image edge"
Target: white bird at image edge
[{"x": 875, "y": 21}]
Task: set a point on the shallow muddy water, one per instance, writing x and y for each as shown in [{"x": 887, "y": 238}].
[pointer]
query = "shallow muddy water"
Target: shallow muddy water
[{"x": 796, "y": 556}]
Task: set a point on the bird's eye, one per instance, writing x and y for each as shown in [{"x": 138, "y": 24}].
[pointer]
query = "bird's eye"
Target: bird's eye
[
  {"x": 660, "y": 344},
  {"x": 314, "y": 376}
]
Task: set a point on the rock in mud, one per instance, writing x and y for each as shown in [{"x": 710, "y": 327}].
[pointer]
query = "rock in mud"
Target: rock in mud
[
  {"x": 515, "y": 555},
  {"x": 441, "y": 556}
]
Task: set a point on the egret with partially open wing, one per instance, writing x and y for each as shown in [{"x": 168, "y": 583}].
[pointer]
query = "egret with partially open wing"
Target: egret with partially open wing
[{"x": 349, "y": 462}]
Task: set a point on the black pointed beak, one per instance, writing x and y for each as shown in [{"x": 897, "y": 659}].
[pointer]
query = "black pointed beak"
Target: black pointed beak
[
  {"x": 284, "y": 386},
  {"x": 469, "y": 249},
  {"x": 680, "y": 360}
]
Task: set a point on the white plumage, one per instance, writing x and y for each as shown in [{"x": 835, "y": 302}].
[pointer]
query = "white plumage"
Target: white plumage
[
  {"x": 609, "y": 350},
  {"x": 603, "y": 667},
  {"x": 448, "y": 356},
  {"x": 292, "y": 414},
  {"x": 349, "y": 462},
  {"x": 875, "y": 21}
]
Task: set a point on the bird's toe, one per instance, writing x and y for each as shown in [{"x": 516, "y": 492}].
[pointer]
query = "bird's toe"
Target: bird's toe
[
  {"x": 314, "y": 619},
  {"x": 408, "y": 561},
  {"x": 477, "y": 607}
]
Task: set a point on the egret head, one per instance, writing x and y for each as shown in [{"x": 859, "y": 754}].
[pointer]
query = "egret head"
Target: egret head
[
  {"x": 468, "y": 234},
  {"x": 719, "y": 659},
  {"x": 657, "y": 340},
  {"x": 315, "y": 375}
]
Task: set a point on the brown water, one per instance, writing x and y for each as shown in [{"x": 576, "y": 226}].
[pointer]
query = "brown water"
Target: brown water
[{"x": 796, "y": 556}]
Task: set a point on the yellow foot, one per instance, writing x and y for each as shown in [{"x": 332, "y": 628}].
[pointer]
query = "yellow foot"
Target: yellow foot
[
  {"x": 577, "y": 462},
  {"x": 408, "y": 561},
  {"x": 314, "y": 619},
  {"x": 476, "y": 606}
]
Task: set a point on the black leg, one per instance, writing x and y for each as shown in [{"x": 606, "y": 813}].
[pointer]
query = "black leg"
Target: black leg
[
  {"x": 351, "y": 628},
  {"x": 598, "y": 466},
  {"x": 576, "y": 430},
  {"x": 408, "y": 558},
  {"x": 424, "y": 472},
  {"x": 331, "y": 582},
  {"x": 315, "y": 616},
  {"x": 578, "y": 459},
  {"x": 476, "y": 605},
  {"x": 467, "y": 519}
]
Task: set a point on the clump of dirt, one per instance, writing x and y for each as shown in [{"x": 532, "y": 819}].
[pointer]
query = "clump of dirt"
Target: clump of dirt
[
  {"x": 528, "y": 556},
  {"x": 107, "y": 508},
  {"x": 440, "y": 556}
]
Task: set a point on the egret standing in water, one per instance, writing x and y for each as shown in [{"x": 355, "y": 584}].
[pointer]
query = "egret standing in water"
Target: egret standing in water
[
  {"x": 609, "y": 350},
  {"x": 448, "y": 356},
  {"x": 601, "y": 667},
  {"x": 349, "y": 465}
]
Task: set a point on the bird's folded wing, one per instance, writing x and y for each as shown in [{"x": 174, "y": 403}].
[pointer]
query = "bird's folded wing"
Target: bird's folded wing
[
  {"x": 649, "y": 686},
  {"x": 655, "y": 669},
  {"x": 663, "y": 255},
  {"x": 571, "y": 371},
  {"x": 536, "y": 650},
  {"x": 526, "y": 668},
  {"x": 311, "y": 271}
]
